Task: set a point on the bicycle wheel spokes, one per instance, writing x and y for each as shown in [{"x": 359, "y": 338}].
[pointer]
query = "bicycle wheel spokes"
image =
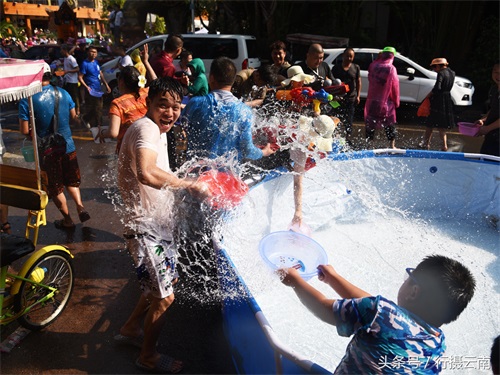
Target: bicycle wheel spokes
[{"x": 53, "y": 269}]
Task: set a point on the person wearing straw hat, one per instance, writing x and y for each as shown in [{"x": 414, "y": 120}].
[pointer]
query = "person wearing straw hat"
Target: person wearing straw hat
[
  {"x": 383, "y": 97},
  {"x": 441, "y": 116},
  {"x": 296, "y": 77}
]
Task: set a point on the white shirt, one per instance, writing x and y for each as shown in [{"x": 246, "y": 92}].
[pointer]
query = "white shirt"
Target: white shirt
[
  {"x": 146, "y": 209},
  {"x": 70, "y": 64},
  {"x": 126, "y": 61}
]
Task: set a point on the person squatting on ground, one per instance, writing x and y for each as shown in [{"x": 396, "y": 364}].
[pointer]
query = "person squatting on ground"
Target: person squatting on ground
[
  {"x": 350, "y": 74},
  {"x": 383, "y": 97},
  {"x": 90, "y": 77},
  {"x": 62, "y": 171},
  {"x": 435, "y": 293},
  {"x": 490, "y": 124},
  {"x": 129, "y": 107},
  {"x": 143, "y": 175},
  {"x": 441, "y": 116}
]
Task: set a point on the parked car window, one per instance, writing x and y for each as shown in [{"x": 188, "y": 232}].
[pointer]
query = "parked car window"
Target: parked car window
[
  {"x": 154, "y": 47},
  {"x": 211, "y": 48},
  {"x": 363, "y": 59},
  {"x": 402, "y": 67},
  {"x": 252, "y": 48},
  {"x": 338, "y": 59}
]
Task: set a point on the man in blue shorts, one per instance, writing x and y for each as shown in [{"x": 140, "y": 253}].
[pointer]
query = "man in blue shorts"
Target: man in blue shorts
[{"x": 435, "y": 293}]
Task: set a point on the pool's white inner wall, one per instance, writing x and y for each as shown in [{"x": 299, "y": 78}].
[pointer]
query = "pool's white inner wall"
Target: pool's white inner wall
[{"x": 375, "y": 217}]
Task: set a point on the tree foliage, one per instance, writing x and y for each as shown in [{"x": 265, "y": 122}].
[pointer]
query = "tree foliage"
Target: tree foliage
[{"x": 8, "y": 29}]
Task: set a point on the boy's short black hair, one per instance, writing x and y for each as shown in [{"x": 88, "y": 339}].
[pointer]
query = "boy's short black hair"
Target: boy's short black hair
[
  {"x": 447, "y": 286},
  {"x": 164, "y": 85},
  {"x": 185, "y": 53},
  {"x": 223, "y": 70},
  {"x": 173, "y": 42},
  {"x": 267, "y": 74}
]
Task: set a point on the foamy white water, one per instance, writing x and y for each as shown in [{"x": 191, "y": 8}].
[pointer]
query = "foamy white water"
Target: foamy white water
[{"x": 375, "y": 217}]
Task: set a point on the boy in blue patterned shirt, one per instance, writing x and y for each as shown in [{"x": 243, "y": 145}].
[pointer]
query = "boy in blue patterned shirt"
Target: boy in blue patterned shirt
[{"x": 392, "y": 338}]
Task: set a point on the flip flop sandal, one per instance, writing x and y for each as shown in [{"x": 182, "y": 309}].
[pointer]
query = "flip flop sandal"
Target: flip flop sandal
[
  {"x": 83, "y": 216},
  {"x": 164, "y": 365},
  {"x": 131, "y": 341},
  {"x": 59, "y": 224}
]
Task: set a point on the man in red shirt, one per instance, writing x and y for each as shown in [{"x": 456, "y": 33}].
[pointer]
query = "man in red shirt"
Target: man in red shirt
[{"x": 163, "y": 63}]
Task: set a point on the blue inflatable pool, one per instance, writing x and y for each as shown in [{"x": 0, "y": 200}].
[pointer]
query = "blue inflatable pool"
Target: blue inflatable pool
[{"x": 375, "y": 213}]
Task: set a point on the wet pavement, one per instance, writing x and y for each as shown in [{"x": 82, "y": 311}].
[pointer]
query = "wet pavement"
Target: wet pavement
[{"x": 105, "y": 290}]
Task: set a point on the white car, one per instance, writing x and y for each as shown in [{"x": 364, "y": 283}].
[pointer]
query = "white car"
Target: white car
[
  {"x": 242, "y": 49},
  {"x": 415, "y": 81}
]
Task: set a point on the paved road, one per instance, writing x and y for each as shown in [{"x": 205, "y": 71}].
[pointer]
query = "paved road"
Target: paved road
[{"x": 80, "y": 341}]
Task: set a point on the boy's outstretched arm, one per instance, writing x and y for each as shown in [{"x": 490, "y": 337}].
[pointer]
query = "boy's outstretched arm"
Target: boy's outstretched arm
[
  {"x": 313, "y": 299},
  {"x": 344, "y": 288}
]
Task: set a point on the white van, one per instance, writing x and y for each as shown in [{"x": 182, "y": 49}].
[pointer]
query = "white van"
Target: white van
[{"x": 242, "y": 49}]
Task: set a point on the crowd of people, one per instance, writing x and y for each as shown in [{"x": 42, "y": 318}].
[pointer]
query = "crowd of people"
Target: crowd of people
[{"x": 217, "y": 115}]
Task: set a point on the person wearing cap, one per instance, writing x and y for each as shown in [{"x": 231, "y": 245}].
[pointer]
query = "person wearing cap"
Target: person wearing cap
[
  {"x": 441, "y": 116},
  {"x": 315, "y": 66},
  {"x": 383, "y": 97},
  {"x": 490, "y": 124},
  {"x": 63, "y": 171},
  {"x": 315, "y": 136}
]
